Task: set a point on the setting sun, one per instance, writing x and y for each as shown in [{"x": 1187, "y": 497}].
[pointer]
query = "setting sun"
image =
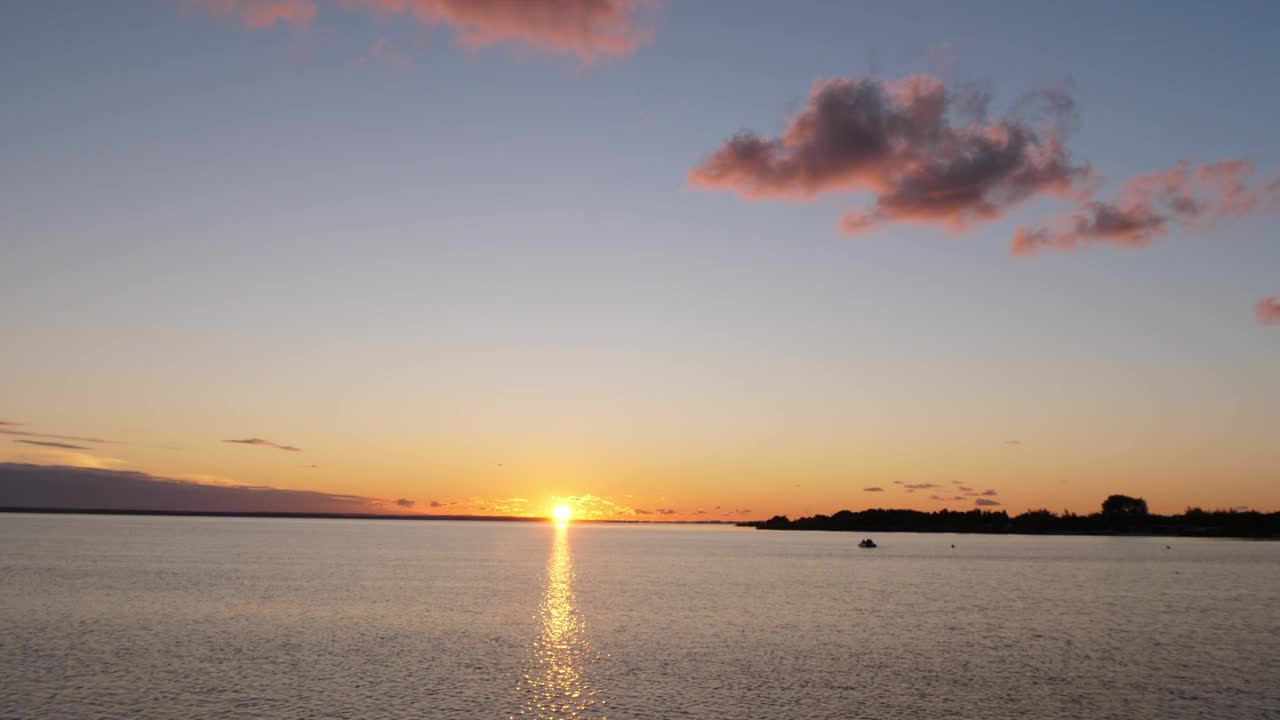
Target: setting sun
[{"x": 561, "y": 513}]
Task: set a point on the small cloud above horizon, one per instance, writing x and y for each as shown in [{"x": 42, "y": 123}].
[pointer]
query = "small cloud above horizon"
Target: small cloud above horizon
[
  {"x": 873, "y": 489},
  {"x": 6, "y": 430},
  {"x": 983, "y": 502},
  {"x": 47, "y": 443},
  {"x": 264, "y": 443},
  {"x": 406, "y": 502}
]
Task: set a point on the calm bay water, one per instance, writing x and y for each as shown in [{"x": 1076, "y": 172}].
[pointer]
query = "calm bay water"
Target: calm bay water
[{"x": 124, "y": 617}]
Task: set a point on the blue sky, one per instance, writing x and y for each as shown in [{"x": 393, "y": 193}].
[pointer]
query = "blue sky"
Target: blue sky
[{"x": 207, "y": 227}]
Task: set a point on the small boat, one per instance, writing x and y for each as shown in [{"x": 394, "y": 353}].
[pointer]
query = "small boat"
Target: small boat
[{"x": 867, "y": 543}]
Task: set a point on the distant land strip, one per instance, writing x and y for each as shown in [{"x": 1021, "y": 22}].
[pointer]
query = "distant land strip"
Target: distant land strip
[{"x": 1120, "y": 515}]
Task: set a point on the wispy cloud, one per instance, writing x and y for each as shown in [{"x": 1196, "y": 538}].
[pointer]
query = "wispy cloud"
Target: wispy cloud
[
  {"x": 1148, "y": 206},
  {"x": 990, "y": 493},
  {"x": 406, "y": 502},
  {"x": 26, "y": 433},
  {"x": 983, "y": 502},
  {"x": 48, "y": 443},
  {"x": 1012, "y": 442},
  {"x": 594, "y": 507},
  {"x": 873, "y": 489},
  {"x": 587, "y": 29},
  {"x": 509, "y": 506},
  {"x": 259, "y": 14},
  {"x": 264, "y": 443},
  {"x": 1268, "y": 311},
  {"x": 920, "y": 486},
  {"x": 383, "y": 49},
  {"x": 44, "y": 455},
  {"x": 898, "y": 141}
]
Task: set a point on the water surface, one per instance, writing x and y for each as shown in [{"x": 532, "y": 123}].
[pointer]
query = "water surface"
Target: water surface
[{"x": 150, "y": 617}]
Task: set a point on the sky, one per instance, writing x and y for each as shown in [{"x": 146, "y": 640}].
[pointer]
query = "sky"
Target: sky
[{"x": 655, "y": 260}]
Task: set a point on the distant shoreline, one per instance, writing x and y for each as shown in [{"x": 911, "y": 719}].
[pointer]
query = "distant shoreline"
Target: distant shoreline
[
  {"x": 1121, "y": 516},
  {"x": 758, "y": 525},
  {"x": 333, "y": 516}
]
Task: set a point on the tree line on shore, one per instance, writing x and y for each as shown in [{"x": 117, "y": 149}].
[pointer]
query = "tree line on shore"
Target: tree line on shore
[{"x": 1120, "y": 515}]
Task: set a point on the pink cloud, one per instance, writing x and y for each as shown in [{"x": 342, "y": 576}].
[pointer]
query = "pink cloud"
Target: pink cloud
[
  {"x": 1268, "y": 310},
  {"x": 260, "y": 14},
  {"x": 586, "y": 28},
  {"x": 1148, "y": 206},
  {"x": 898, "y": 141}
]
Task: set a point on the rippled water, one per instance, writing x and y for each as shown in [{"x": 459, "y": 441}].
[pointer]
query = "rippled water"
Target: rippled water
[{"x": 119, "y": 617}]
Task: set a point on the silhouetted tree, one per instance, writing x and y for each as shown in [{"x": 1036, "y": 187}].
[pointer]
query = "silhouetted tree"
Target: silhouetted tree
[{"x": 1123, "y": 506}]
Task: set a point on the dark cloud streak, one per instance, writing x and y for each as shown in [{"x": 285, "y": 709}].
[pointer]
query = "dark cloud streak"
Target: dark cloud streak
[
  {"x": 54, "y": 486},
  {"x": 264, "y": 443},
  {"x": 46, "y": 443},
  {"x": 73, "y": 438}
]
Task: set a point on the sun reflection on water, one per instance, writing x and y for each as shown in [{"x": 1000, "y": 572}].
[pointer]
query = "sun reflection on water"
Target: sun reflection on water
[{"x": 554, "y": 684}]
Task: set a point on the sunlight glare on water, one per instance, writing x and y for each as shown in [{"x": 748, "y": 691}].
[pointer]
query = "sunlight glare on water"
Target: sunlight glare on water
[{"x": 554, "y": 684}]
